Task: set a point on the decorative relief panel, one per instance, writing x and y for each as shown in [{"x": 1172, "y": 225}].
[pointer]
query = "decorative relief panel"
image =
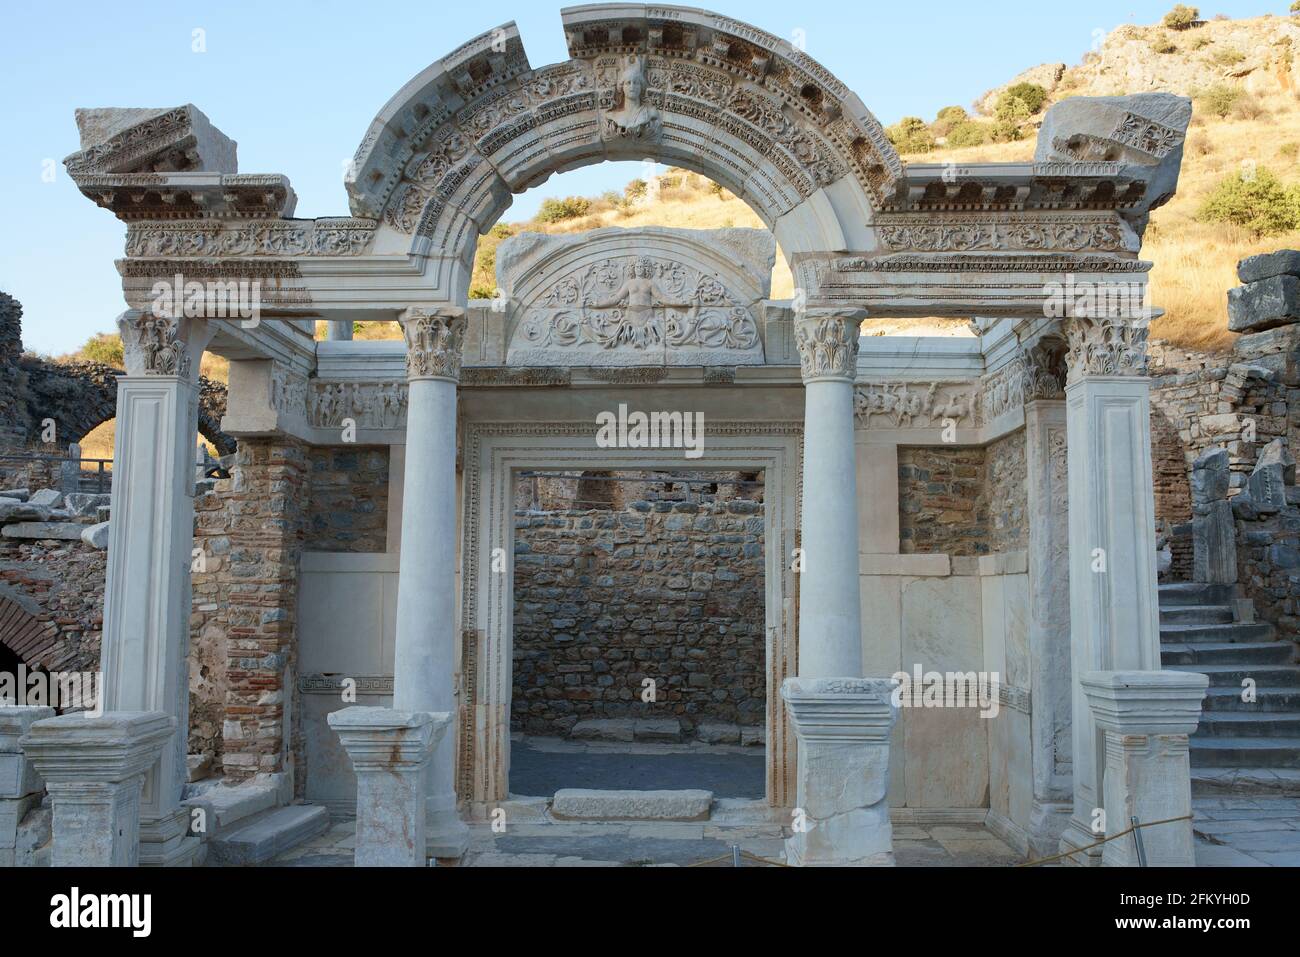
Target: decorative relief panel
[
  {"x": 325, "y": 237},
  {"x": 371, "y": 405},
  {"x": 916, "y": 405},
  {"x": 936, "y": 233},
  {"x": 636, "y": 298}
]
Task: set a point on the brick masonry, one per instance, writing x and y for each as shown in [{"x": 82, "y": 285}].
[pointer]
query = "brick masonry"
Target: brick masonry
[
  {"x": 604, "y": 599},
  {"x": 347, "y": 507},
  {"x": 942, "y": 500},
  {"x": 52, "y": 603}
]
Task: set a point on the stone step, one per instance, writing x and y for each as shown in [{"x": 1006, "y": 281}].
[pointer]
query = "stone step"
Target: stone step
[
  {"x": 225, "y": 807},
  {"x": 1181, "y": 594},
  {"x": 1225, "y": 675},
  {"x": 1225, "y": 653},
  {"x": 581, "y": 804},
  {"x": 1221, "y": 633},
  {"x": 268, "y": 834},
  {"x": 1196, "y": 615},
  {"x": 1247, "y": 724},
  {"x": 1268, "y": 700},
  {"x": 1244, "y": 752},
  {"x": 1246, "y": 782}
]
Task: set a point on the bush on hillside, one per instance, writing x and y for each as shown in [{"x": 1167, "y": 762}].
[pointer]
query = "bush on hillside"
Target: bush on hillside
[
  {"x": 106, "y": 347},
  {"x": 947, "y": 118},
  {"x": 911, "y": 135},
  {"x": 1163, "y": 44},
  {"x": 1181, "y": 17},
  {"x": 1032, "y": 95},
  {"x": 968, "y": 133},
  {"x": 1220, "y": 99},
  {"x": 1258, "y": 202},
  {"x": 635, "y": 190},
  {"x": 1295, "y": 7},
  {"x": 558, "y": 210},
  {"x": 1012, "y": 109},
  {"x": 1004, "y": 131},
  {"x": 1227, "y": 56}
]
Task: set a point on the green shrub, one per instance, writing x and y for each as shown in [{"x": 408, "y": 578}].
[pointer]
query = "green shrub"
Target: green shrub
[
  {"x": 503, "y": 231},
  {"x": 1012, "y": 109},
  {"x": 1201, "y": 42},
  {"x": 947, "y": 118},
  {"x": 1031, "y": 94},
  {"x": 482, "y": 292},
  {"x": 1220, "y": 99},
  {"x": 1295, "y": 7},
  {"x": 1260, "y": 203},
  {"x": 1181, "y": 17},
  {"x": 106, "y": 347},
  {"x": 968, "y": 133},
  {"x": 911, "y": 135},
  {"x": 558, "y": 210},
  {"x": 1289, "y": 150},
  {"x": 1163, "y": 44},
  {"x": 1228, "y": 56},
  {"x": 634, "y": 190},
  {"x": 1004, "y": 131}
]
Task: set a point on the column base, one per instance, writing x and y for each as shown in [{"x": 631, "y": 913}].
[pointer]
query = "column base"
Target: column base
[
  {"x": 391, "y": 752},
  {"x": 447, "y": 838},
  {"x": 1074, "y": 837},
  {"x": 1047, "y": 824},
  {"x": 842, "y": 726},
  {"x": 94, "y": 770}
]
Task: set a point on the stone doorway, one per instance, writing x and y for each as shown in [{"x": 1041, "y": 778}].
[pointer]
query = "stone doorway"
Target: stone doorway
[
  {"x": 496, "y": 456},
  {"x": 638, "y": 636}
]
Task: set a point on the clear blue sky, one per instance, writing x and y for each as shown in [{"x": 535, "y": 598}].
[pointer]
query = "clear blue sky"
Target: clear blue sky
[{"x": 296, "y": 83}]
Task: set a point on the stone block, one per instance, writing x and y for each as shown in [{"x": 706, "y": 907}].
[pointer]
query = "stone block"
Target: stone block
[
  {"x": 1266, "y": 487},
  {"x": 579, "y": 804},
  {"x": 1284, "y": 262},
  {"x": 1264, "y": 305},
  {"x": 48, "y": 497},
  {"x": 605, "y": 729},
  {"x": 1277, "y": 453},
  {"x": 54, "y": 531},
  {"x": 665, "y": 730},
  {"x": 85, "y": 504},
  {"x": 1210, "y": 476},
  {"x": 18, "y": 777},
  {"x": 23, "y": 512},
  {"x": 714, "y": 732},
  {"x": 96, "y": 536},
  {"x": 268, "y": 834},
  {"x": 20, "y": 494},
  {"x": 1214, "y": 548}
]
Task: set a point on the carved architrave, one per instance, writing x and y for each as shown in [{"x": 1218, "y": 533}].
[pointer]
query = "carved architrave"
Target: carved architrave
[
  {"x": 434, "y": 341},
  {"x": 1105, "y": 347},
  {"x": 828, "y": 344},
  {"x": 325, "y": 237},
  {"x": 916, "y": 405}
]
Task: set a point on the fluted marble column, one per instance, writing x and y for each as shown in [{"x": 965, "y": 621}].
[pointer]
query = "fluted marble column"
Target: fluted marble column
[
  {"x": 1114, "y": 611},
  {"x": 841, "y": 721},
  {"x": 145, "y": 650},
  {"x": 424, "y": 657}
]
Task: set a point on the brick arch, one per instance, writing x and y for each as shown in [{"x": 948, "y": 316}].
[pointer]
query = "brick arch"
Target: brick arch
[
  {"x": 25, "y": 636},
  {"x": 441, "y": 161},
  {"x": 80, "y": 396}
]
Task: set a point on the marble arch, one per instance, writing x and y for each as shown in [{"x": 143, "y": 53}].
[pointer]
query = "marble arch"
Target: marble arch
[{"x": 1051, "y": 387}]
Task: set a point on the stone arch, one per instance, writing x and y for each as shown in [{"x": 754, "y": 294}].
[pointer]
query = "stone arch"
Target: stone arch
[
  {"x": 80, "y": 396},
  {"x": 442, "y": 160},
  {"x": 26, "y": 637}
]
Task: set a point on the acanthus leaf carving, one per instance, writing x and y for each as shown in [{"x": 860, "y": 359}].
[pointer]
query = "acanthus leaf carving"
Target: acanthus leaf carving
[
  {"x": 828, "y": 345},
  {"x": 434, "y": 341},
  {"x": 1105, "y": 346}
]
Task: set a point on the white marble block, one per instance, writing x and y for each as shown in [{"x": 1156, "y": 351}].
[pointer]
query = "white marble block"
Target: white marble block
[
  {"x": 391, "y": 753},
  {"x": 843, "y": 726},
  {"x": 20, "y": 785},
  {"x": 94, "y": 769},
  {"x": 1145, "y": 718}
]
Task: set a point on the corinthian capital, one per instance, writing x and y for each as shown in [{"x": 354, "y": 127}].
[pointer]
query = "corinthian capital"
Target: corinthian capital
[
  {"x": 828, "y": 343},
  {"x": 1105, "y": 346},
  {"x": 433, "y": 343},
  {"x": 161, "y": 345}
]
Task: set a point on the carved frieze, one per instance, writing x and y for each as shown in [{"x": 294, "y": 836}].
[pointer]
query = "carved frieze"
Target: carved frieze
[
  {"x": 916, "y": 405},
  {"x": 325, "y": 237},
  {"x": 370, "y": 405},
  {"x": 1105, "y": 347},
  {"x": 948, "y": 234}
]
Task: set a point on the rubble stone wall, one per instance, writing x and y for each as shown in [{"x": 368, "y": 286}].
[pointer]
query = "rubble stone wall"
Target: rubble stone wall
[{"x": 671, "y": 591}]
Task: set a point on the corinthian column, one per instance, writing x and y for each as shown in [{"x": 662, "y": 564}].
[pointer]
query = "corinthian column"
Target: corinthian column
[
  {"x": 424, "y": 658},
  {"x": 145, "y": 650},
  {"x": 1114, "y": 612},
  {"x": 841, "y": 721}
]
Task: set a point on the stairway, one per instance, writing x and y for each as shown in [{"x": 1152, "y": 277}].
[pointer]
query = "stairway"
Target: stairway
[{"x": 1240, "y": 747}]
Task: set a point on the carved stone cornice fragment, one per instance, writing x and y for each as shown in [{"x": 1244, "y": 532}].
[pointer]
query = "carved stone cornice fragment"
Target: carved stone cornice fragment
[
  {"x": 828, "y": 344},
  {"x": 434, "y": 340}
]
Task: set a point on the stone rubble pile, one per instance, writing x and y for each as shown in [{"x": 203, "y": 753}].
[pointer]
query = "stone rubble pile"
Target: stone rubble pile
[{"x": 49, "y": 515}]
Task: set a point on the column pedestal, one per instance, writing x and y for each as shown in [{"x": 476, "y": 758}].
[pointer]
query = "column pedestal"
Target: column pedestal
[
  {"x": 1145, "y": 718},
  {"x": 390, "y": 752},
  {"x": 843, "y": 728},
  {"x": 94, "y": 769},
  {"x": 424, "y": 664}
]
